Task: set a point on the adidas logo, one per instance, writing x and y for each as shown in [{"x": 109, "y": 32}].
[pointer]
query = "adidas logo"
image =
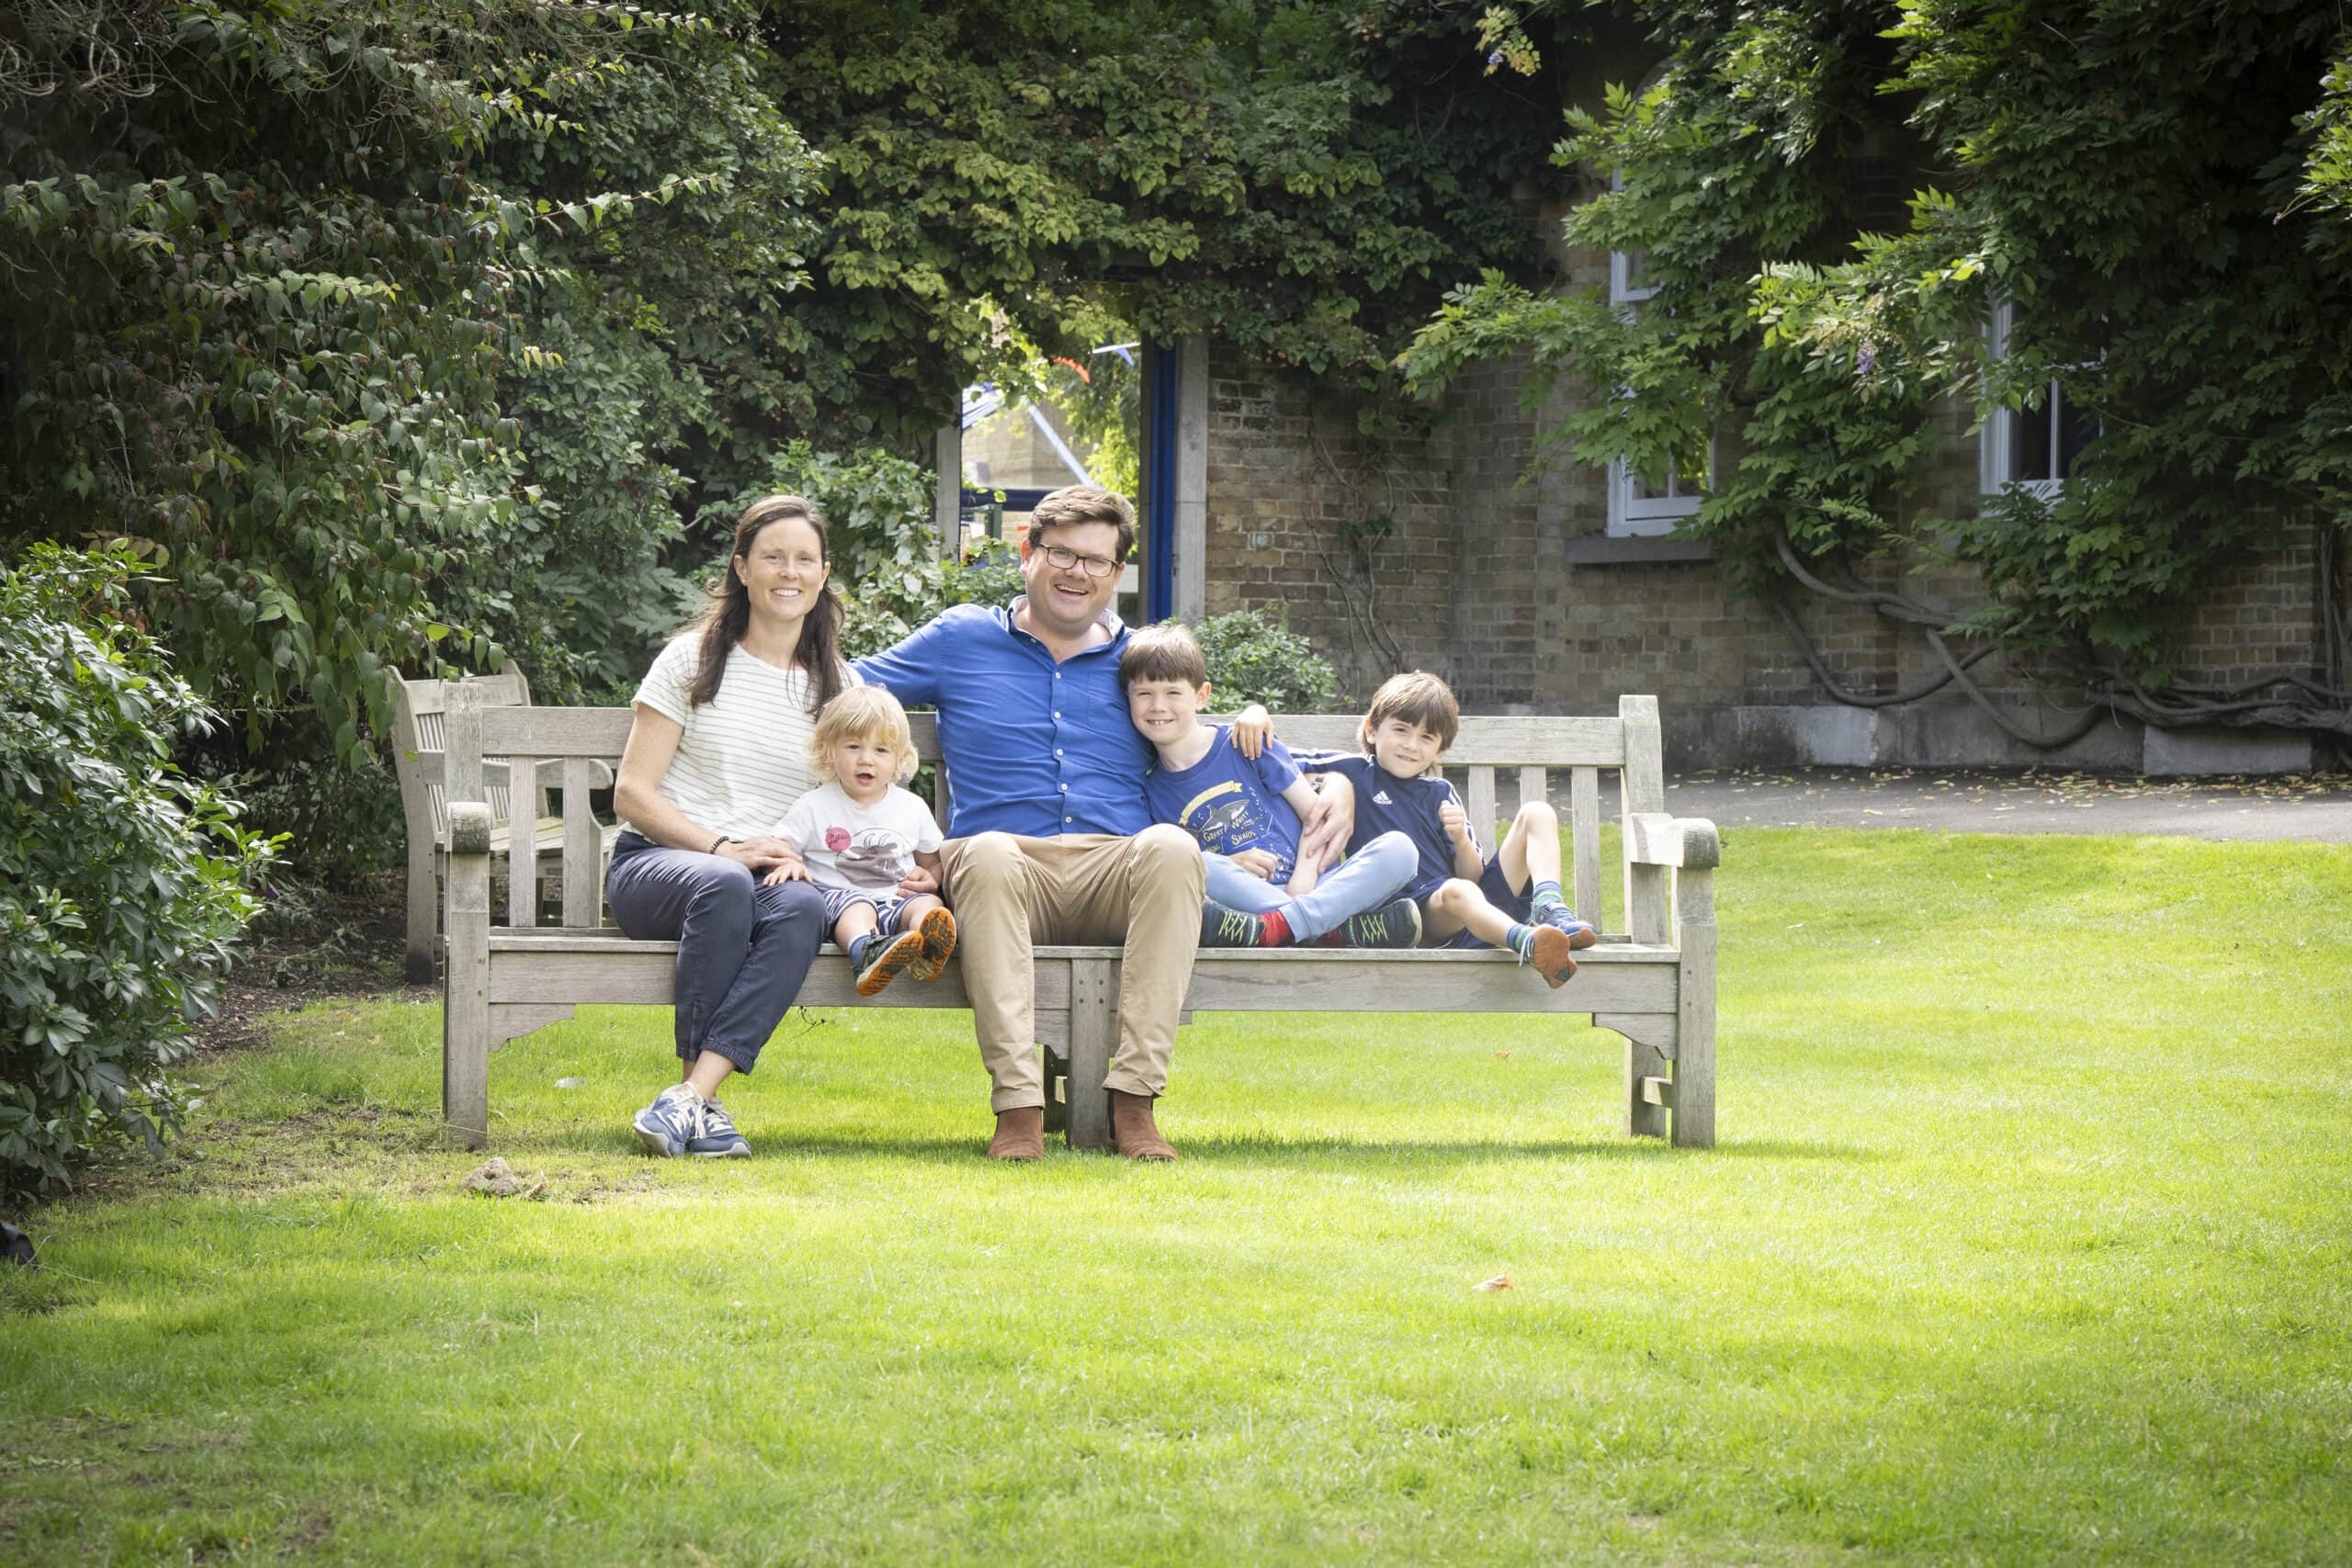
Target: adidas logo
[{"x": 1380, "y": 798}]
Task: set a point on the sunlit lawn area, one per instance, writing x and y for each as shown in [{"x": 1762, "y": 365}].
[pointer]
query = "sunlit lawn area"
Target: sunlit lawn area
[{"x": 2030, "y": 1239}]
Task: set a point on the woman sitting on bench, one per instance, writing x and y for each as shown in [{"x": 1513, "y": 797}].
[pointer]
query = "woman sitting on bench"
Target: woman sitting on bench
[{"x": 718, "y": 753}]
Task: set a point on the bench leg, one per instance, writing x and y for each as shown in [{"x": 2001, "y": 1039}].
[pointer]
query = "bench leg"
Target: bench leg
[
  {"x": 1695, "y": 1032},
  {"x": 1647, "y": 1039},
  {"x": 423, "y": 910},
  {"x": 465, "y": 1004},
  {"x": 1053, "y": 1039},
  {"x": 1093, "y": 1031}
]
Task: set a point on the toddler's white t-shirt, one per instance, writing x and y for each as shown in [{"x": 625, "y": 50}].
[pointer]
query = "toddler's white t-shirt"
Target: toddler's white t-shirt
[{"x": 867, "y": 849}]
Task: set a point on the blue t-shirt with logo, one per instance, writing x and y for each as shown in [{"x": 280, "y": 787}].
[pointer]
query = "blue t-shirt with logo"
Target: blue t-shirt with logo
[
  {"x": 1387, "y": 804},
  {"x": 1230, "y": 803}
]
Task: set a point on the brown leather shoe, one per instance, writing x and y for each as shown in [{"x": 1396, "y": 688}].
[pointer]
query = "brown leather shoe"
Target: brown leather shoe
[
  {"x": 1020, "y": 1133},
  {"x": 1132, "y": 1133}
]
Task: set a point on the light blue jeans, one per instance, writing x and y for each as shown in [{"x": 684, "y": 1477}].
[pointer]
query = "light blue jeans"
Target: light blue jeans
[{"x": 1365, "y": 880}]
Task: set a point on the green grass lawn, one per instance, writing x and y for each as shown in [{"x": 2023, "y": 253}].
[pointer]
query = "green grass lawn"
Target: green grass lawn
[{"x": 2029, "y": 1239}]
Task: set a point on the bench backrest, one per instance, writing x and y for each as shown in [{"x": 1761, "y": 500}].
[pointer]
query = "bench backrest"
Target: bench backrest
[
  {"x": 1537, "y": 749},
  {"x": 420, "y": 739}
]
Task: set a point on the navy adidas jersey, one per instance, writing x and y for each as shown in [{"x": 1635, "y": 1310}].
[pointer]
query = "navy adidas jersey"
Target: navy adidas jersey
[{"x": 1387, "y": 804}]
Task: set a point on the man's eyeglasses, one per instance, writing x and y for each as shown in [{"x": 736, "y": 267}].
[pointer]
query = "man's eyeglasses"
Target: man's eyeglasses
[{"x": 1061, "y": 558}]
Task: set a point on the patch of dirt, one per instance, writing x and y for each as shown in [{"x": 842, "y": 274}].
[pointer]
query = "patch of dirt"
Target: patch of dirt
[
  {"x": 350, "y": 944},
  {"x": 309, "y": 1533}
]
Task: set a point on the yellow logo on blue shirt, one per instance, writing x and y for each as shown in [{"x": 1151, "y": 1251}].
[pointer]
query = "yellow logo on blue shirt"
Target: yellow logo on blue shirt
[{"x": 1224, "y": 827}]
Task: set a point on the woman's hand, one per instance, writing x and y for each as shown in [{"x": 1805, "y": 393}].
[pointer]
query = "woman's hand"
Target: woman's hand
[
  {"x": 1253, "y": 727},
  {"x": 765, "y": 851}
]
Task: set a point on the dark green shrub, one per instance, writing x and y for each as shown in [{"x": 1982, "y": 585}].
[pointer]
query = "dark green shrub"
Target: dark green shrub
[
  {"x": 121, "y": 882},
  {"x": 1254, "y": 657},
  {"x": 991, "y": 575}
]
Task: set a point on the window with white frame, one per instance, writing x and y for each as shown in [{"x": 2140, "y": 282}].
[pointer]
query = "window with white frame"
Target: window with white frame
[
  {"x": 1638, "y": 507},
  {"x": 2034, "y": 449}
]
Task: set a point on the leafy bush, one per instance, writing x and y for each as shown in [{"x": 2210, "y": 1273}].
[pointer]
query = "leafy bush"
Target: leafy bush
[
  {"x": 121, "y": 883},
  {"x": 1254, "y": 657},
  {"x": 991, "y": 575},
  {"x": 341, "y": 820}
]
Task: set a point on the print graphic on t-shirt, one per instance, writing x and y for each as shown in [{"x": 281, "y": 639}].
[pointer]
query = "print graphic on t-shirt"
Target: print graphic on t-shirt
[
  {"x": 1221, "y": 819},
  {"x": 875, "y": 858}
]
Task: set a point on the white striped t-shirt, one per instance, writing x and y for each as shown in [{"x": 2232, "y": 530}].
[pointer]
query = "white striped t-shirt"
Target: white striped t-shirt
[{"x": 743, "y": 758}]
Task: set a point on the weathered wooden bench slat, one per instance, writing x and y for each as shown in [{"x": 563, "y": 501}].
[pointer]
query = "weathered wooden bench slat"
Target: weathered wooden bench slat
[
  {"x": 1485, "y": 740},
  {"x": 642, "y": 973},
  {"x": 522, "y": 892},
  {"x": 609, "y": 939},
  {"x": 1584, "y": 844},
  {"x": 624, "y": 975},
  {"x": 1654, "y": 984}
]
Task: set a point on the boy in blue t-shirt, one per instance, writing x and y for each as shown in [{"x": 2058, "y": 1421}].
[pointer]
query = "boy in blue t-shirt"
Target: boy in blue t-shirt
[
  {"x": 1246, "y": 813},
  {"x": 1467, "y": 898}
]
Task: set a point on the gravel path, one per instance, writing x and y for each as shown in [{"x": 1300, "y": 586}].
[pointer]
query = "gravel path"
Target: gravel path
[{"x": 2315, "y": 806}]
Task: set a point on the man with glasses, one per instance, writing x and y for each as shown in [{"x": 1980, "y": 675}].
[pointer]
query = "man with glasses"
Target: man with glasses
[{"x": 1049, "y": 838}]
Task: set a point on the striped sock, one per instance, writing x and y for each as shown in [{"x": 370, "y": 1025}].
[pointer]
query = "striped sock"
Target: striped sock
[
  {"x": 857, "y": 949},
  {"x": 1521, "y": 940},
  {"x": 1546, "y": 894}
]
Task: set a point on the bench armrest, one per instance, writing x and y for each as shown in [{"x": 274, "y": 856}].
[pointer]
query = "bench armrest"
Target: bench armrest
[
  {"x": 1653, "y": 837},
  {"x": 469, "y": 828}
]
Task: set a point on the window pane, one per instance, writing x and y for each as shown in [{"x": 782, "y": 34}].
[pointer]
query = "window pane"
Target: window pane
[
  {"x": 1680, "y": 487},
  {"x": 2029, "y": 454},
  {"x": 2076, "y": 429}
]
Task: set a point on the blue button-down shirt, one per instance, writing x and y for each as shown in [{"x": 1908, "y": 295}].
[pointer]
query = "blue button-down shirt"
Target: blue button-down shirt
[{"x": 1033, "y": 746}]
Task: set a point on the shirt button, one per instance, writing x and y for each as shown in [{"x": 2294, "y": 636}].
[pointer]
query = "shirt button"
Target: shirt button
[
  {"x": 1057, "y": 751},
  {"x": 1070, "y": 818},
  {"x": 1065, "y": 789},
  {"x": 1057, "y": 713}
]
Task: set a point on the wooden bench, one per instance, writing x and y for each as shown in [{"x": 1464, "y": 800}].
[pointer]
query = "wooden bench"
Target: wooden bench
[
  {"x": 419, "y": 711},
  {"x": 1652, "y": 981}
]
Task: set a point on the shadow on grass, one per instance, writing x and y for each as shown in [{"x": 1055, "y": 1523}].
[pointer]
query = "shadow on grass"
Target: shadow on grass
[
  {"x": 1272, "y": 1150},
  {"x": 1246, "y": 1149}
]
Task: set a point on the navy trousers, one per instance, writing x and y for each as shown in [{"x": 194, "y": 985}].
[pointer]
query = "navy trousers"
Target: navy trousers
[{"x": 743, "y": 950}]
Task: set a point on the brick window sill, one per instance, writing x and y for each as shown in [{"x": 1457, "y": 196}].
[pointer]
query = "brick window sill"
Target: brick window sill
[{"x": 1600, "y": 549}]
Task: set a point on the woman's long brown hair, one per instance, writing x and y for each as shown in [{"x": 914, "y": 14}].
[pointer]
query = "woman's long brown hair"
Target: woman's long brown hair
[{"x": 729, "y": 615}]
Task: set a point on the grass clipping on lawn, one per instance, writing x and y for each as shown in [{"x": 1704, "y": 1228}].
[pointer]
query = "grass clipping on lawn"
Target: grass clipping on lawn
[{"x": 2027, "y": 1241}]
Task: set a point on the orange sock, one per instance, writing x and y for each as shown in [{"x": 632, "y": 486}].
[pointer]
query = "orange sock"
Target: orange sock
[{"x": 1277, "y": 930}]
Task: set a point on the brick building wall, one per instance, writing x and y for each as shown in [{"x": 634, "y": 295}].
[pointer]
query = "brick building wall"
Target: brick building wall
[{"x": 1428, "y": 551}]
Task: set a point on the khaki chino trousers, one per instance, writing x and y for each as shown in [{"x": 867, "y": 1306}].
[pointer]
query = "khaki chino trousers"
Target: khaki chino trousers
[{"x": 1012, "y": 894}]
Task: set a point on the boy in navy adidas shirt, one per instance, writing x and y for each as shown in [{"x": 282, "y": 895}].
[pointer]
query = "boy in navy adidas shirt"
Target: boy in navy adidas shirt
[
  {"x": 1467, "y": 898},
  {"x": 1245, "y": 813}
]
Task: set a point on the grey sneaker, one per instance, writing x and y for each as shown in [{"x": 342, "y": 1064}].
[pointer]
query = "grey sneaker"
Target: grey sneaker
[
  {"x": 1221, "y": 927},
  {"x": 681, "y": 1122},
  {"x": 719, "y": 1138},
  {"x": 1396, "y": 923}
]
